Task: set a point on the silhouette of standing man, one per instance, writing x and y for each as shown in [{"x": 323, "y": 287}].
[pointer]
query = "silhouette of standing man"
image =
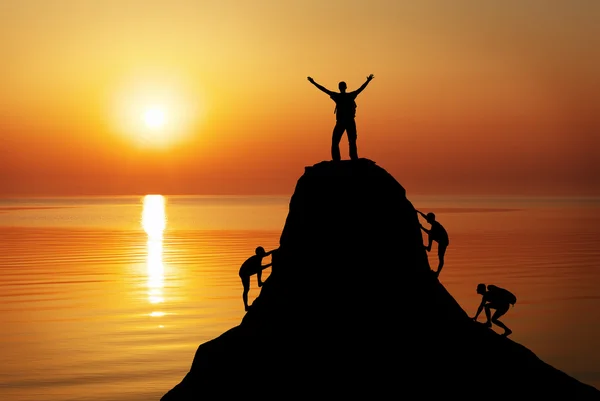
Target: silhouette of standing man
[
  {"x": 436, "y": 233},
  {"x": 345, "y": 111},
  {"x": 252, "y": 265}
]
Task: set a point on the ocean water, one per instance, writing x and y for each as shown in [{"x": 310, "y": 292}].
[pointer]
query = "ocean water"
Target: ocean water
[{"x": 107, "y": 298}]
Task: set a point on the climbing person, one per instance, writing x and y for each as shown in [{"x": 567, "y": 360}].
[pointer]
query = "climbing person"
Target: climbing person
[
  {"x": 497, "y": 298},
  {"x": 253, "y": 265},
  {"x": 436, "y": 233}
]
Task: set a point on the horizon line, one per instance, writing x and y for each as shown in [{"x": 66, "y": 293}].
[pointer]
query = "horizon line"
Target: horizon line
[{"x": 427, "y": 195}]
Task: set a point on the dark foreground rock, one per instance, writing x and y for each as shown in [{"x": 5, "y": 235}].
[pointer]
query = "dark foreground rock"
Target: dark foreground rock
[{"x": 351, "y": 309}]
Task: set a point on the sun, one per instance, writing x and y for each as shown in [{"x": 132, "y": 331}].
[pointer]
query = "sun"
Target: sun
[
  {"x": 154, "y": 118},
  {"x": 158, "y": 110}
]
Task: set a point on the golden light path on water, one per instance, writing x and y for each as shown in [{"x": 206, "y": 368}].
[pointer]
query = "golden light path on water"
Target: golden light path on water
[{"x": 154, "y": 221}]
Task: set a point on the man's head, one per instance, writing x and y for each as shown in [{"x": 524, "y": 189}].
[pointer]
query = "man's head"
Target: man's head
[
  {"x": 260, "y": 251},
  {"x": 430, "y": 217},
  {"x": 481, "y": 288},
  {"x": 342, "y": 86}
]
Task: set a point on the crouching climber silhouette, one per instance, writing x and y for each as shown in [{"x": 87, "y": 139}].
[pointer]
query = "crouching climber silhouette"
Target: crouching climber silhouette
[{"x": 496, "y": 298}]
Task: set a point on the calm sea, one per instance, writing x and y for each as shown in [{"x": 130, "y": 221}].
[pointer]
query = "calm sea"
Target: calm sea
[{"x": 108, "y": 298}]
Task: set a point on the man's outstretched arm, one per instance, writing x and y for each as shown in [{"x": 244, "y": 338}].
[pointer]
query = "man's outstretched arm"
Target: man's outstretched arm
[
  {"x": 322, "y": 88},
  {"x": 363, "y": 86}
]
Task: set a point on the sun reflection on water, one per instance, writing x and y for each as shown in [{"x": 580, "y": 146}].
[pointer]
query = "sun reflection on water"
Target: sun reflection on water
[{"x": 154, "y": 221}]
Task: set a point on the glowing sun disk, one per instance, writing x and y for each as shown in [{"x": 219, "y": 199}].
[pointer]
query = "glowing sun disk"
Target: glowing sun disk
[{"x": 154, "y": 118}]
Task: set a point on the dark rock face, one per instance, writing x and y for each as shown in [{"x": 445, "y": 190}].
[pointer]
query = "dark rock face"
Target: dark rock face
[{"x": 351, "y": 309}]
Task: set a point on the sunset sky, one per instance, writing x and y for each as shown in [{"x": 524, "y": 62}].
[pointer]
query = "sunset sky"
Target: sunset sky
[{"x": 211, "y": 97}]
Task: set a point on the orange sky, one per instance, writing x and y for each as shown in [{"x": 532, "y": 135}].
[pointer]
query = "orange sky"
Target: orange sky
[{"x": 468, "y": 98}]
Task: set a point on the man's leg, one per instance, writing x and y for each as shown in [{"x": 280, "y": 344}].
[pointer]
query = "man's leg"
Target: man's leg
[
  {"x": 246, "y": 284},
  {"x": 338, "y": 131},
  {"x": 351, "y": 132},
  {"x": 499, "y": 312},
  {"x": 441, "y": 254}
]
